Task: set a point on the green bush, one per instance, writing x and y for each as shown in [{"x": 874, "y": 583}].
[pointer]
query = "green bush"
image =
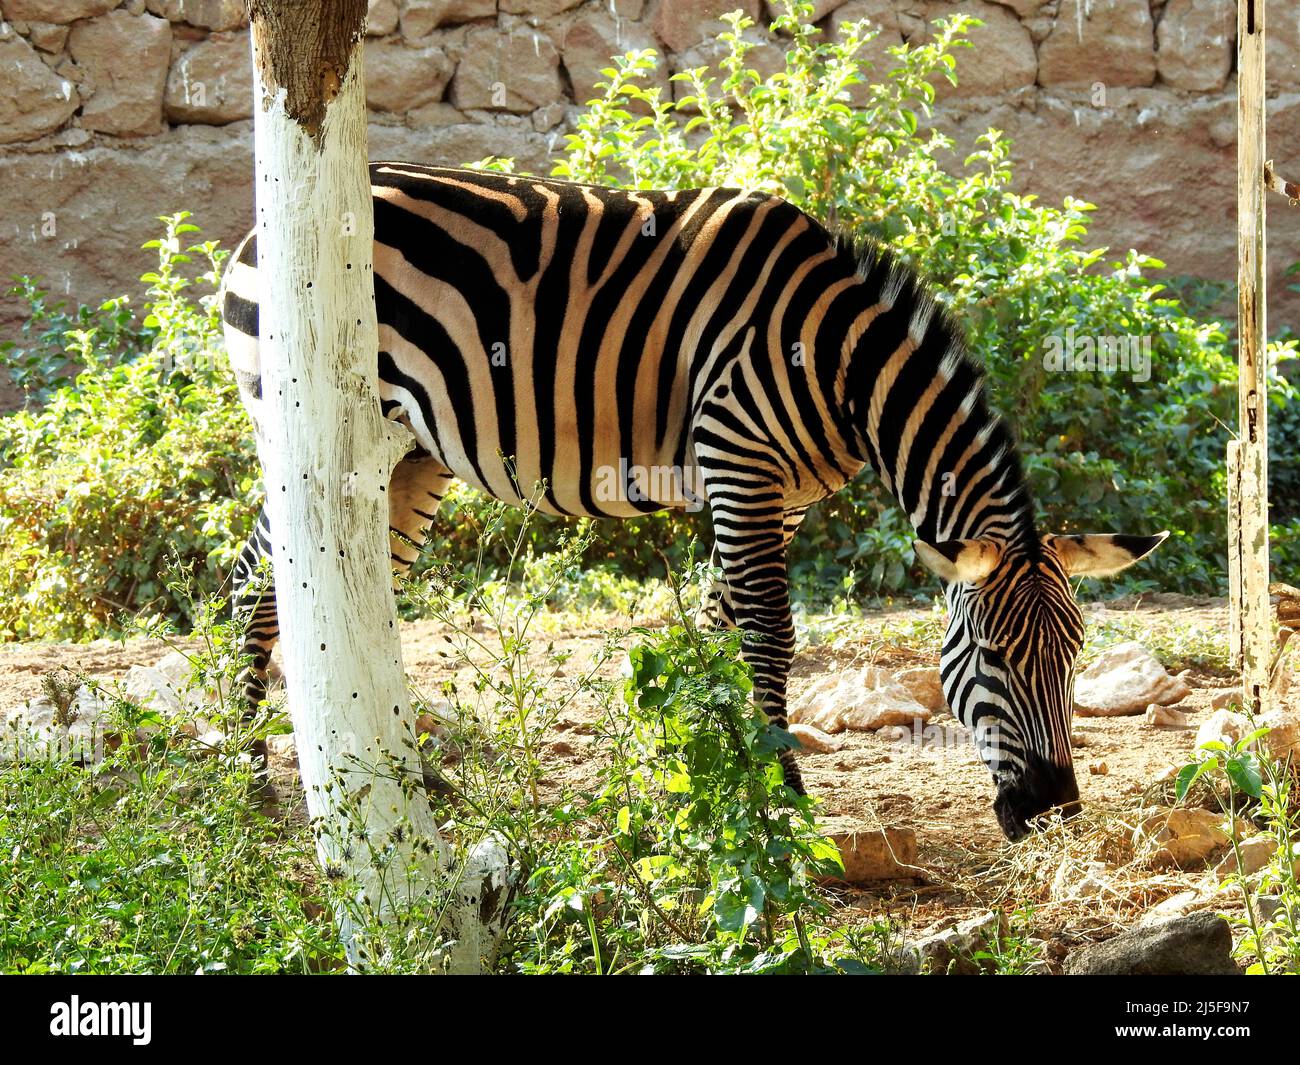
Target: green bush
[
  {"x": 153, "y": 860},
  {"x": 142, "y": 465}
]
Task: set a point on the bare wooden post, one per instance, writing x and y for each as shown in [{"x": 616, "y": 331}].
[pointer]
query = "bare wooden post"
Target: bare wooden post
[
  {"x": 1250, "y": 630},
  {"x": 327, "y": 455}
]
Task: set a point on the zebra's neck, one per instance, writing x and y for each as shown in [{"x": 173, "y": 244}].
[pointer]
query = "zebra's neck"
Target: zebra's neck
[{"x": 916, "y": 408}]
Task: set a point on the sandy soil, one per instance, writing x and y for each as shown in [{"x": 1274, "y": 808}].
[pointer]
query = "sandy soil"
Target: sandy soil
[{"x": 944, "y": 794}]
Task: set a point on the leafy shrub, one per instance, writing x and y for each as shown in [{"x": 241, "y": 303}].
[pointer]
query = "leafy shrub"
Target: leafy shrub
[
  {"x": 153, "y": 860},
  {"x": 689, "y": 854},
  {"x": 1251, "y": 782},
  {"x": 143, "y": 463},
  {"x": 41, "y": 365}
]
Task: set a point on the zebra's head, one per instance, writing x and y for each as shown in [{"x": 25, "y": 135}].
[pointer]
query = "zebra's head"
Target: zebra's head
[{"x": 1014, "y": 632}]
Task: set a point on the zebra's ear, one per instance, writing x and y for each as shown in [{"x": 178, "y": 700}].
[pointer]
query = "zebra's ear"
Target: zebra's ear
[
  {"x": 959, "y": 561},
  {"x": 1102, "y": 554}
]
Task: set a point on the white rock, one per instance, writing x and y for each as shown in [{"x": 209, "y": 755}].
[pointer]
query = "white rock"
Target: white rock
[
  {"x": 1074, "y": 882},
  {"x": 1224, "y": 698},
  {"x": 1255, "y": 854},
  {"x": 923, "y": 685},
  {"x": 815, "y": 740},
  {"x": 863, "y": 699},
  {"x": 1228, "y": 726},
  {"x": 282, "y": 744},
  {"x": 1165, "y": 717},
  {"x": 1180, "y": 838},
  {"x": 1178, "y": 905},
  {"x": 31, "y": 734},
  {"x": 1125, "y": 680},
  {"x": 952, "y": 950}
]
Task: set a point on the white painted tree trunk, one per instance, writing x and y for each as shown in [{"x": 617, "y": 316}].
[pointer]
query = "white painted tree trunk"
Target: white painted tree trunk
[{"x": 327, "y": 455}]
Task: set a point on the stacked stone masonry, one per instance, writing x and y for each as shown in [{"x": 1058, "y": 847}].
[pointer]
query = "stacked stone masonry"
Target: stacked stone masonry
[{"x": 115, "y": 111}]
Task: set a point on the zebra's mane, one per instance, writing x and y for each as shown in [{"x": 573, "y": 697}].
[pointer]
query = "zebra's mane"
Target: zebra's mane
[{"x": 888, "y": 276}]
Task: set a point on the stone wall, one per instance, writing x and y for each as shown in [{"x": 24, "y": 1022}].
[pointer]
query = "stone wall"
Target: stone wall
[{"x": 115, "y": 111}]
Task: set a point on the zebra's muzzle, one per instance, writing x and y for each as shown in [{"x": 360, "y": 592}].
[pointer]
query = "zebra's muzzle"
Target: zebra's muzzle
[{"x": 1042, "y": 787}]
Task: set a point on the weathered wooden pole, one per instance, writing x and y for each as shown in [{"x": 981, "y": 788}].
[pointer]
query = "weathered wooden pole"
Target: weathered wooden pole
[
  {"x": 327, "y": 456},
  {"x": 1250, "y": 630}
]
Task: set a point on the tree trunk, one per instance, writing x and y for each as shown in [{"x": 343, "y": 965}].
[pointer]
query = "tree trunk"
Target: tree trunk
[{"x": 327, "y": 455}]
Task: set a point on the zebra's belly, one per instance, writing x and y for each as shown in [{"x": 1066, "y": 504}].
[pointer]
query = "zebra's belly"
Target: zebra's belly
[{"x": 528, "y": 430}]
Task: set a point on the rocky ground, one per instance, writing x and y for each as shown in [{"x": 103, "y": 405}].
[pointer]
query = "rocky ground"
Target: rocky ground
[{"x": 897, "y": 778}]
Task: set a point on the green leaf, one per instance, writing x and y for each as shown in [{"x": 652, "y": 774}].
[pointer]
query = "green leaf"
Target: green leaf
[{"x": 1245, "y": 774}]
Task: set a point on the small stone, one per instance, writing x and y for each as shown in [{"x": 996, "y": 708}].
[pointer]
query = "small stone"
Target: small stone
[
  {"x": 212, "y": 739},
  {"x": 589, "y": 45},
  {"x": 1001, "y": 58},
  {"x": 923, "y": 684},
  {"x": 863, "y": 699},
  {"x": 212, "y": 82},
  {"x": 1164, "y": 717},
  {"x": 382, "y": 18},
  {"x": 216, "y": 15},
  {"x": 422, "y": 17},
  {"x": 61, "y": 11},
  {"x": 1282, "y": 48},
  {"x": 1111, "y": 42},
  {"x": 283, "y": 746},
  {"x": 1098, "y": 769},
  {"x": 537, "y": 8},
  {"x": 1178, "y": 905},
  {"x": 1282, "y": 740},
  {"x": 1196, "y": 945},
  {"x": 683, "y": 23},
  {"x": 1255, "y": 854},
  {"x": 1196, "y": 41},
  {"x": 1225, "y": 698},
  {"x": 952, "y": 951},
  {"x": 1185, "y": 839},
  {"x": 875, "y": 854},
  {"x": 39, "y": 732},
  {"x": 400, "y": 76},
  {"x": 127, "y": 99},
  {"x": 517, "y": 72},
  {"x": 48, "y": 37},
  {"x": 1071, "y": 882},
  {"x": 815, "y": 740},
  {"x": 1125, "y": 680},
  {"x": 34, "y": 100}
]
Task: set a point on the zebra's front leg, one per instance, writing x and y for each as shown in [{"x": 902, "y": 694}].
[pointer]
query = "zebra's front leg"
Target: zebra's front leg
[{"x": 751, "y": 546}]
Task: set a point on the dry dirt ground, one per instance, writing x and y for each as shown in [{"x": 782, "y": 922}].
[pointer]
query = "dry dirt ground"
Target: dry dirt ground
[{"x": 943, "y": 794}]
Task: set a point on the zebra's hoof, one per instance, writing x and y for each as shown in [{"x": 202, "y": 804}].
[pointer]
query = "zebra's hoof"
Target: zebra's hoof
[{"x": 261, "y": 789}]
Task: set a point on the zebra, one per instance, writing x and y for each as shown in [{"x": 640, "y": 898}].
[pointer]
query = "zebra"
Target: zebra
[{"x": 541, "y": 332}]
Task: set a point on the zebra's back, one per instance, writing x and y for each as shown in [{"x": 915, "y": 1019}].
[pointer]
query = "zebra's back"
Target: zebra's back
[{"x": 572, "y": 328}]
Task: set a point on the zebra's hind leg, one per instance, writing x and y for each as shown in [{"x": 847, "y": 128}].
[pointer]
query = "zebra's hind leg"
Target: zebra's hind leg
[
  {"x": 414, "y": 495},
  {"x": 253, "y": 604}
]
